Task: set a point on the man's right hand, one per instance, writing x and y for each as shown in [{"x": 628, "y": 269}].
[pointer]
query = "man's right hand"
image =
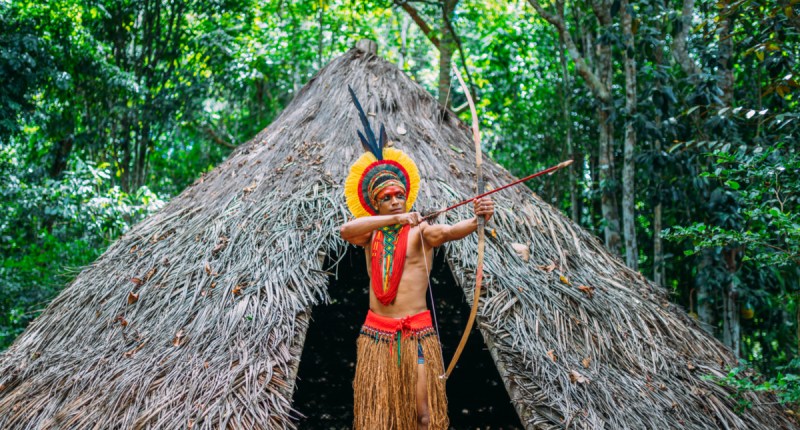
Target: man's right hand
[{"x": 412, "y": 218}]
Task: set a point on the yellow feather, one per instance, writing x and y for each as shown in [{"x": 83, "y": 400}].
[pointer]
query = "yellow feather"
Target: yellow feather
[{"x": 357, "y": 170}]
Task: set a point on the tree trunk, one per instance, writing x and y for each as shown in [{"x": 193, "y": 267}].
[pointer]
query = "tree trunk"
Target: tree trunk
[
  {"x": 578, "y": 166},
  {"x": 679, "y": 49},
  {"x": 705, "y": 312},
  {"x": 447, "y": 46},
  {"x": 731, "y": 325},
  {"x": 606, "y": 154},
  {"x": 725, "y": 54},
  {"x": 142, "y": 156},
  {"x": 658, "y": 247},
  {"x": 604, "y": 63},
  {"x": 566, "y": 88},
  {"x": 595, "y": 207},
  {"x": 606, "y": 177},
  {"x": 125, "y": 154},
  {"x": 60, "y": 152},
  {"x": 629, "y": 160}
]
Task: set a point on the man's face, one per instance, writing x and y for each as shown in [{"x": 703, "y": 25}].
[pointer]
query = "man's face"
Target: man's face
[{"x": 391, "y": 200}]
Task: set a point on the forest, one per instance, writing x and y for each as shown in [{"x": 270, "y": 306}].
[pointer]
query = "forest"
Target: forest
[{"x": 682, "y": 117}]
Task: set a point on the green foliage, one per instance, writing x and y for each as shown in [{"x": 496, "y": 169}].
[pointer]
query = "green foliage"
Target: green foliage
[
  {"x": 24, "y": 65},
  {"x": 785, "y": 386},
  {"x": 759, "y": 189},
  {"x": 50, "y": 228},
  {"x": 766, "y": 186}
]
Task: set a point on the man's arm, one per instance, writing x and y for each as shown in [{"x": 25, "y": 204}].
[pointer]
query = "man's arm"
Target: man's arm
[
  {"x": 359, "y": 231},
  {"x": 438, "y": 234}
]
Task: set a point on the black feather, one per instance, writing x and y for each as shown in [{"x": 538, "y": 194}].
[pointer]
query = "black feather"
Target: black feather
[
  {"x": 364, "y": 142},
  {"x": 383, "y": 139},
  {"x": 369, "y": 141}
]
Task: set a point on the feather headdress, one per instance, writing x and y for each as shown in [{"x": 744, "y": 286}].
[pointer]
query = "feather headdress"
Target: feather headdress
[{"x": 376, "y": 161}]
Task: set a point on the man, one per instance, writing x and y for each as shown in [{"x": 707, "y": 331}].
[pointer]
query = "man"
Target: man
[{"x": 397, "y": 383}]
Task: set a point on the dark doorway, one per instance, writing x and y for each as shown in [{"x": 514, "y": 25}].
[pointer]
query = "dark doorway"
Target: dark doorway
[{"x": 324, "y": 395}]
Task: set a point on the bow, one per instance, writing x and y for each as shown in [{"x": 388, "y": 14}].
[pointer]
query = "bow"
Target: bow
[{"x": 476, "y": 137}]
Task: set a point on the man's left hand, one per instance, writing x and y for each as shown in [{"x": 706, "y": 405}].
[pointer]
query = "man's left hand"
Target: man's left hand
[{"x": 484, "y": 207}]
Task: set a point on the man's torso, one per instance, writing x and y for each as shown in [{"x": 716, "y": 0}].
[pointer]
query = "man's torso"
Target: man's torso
[{"x": 410, "y": 298}]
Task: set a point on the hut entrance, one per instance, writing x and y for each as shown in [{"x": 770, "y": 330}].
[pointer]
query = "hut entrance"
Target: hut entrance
[{"x": 476, "y": 395}]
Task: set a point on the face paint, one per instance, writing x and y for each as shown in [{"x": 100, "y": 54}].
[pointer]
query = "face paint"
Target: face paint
[{"x": 391, "y": 192}]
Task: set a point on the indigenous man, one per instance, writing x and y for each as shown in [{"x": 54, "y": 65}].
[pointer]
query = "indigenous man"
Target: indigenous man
[{"x": 397, "y": 383}]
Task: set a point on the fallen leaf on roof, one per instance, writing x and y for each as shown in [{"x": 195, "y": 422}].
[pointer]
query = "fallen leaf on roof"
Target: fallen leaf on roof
[
  {"x": 522, "y": 250},
  {"x": 551, "y": 353},
  {"x": 588, "y": 290},
  {"x": 549, "y": 268},
  {"x": 575, "y": 376},
  {"x": 137, "y": 281},
  {"x": 121, "y": 320},
  {"x": 132, "y": 297},
  {"x": 586, "y": 362},
  {"x": 564, "y": 279},
  {"x": 178, "y": 339}
]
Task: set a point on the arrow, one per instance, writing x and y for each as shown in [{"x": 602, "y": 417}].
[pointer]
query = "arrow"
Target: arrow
[{"x": 561, "y": 165}]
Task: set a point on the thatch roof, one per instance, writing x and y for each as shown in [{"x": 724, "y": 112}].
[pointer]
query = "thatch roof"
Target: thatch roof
[{"x": 196, "y": 317}]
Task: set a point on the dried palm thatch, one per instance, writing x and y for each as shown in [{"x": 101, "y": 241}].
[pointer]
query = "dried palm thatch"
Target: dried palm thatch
[{"x": 196, "y": 317}]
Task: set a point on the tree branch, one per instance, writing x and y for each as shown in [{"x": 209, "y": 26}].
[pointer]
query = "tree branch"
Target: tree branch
[
  {"x": 419, "y": 21},
  {"x": 218, "y": 139},
  {"x": 463, "y": 58},
  {"x": 557, "y": 20}
]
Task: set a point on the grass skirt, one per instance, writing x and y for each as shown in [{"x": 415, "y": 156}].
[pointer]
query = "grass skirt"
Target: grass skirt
[{"x": 385, "y": 384}]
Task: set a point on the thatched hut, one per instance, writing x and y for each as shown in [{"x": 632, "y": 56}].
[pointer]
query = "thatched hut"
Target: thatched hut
[{"x": 196, "y": 318}]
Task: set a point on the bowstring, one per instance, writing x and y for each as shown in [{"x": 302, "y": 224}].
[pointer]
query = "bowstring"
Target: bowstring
[
  {"x": 424, "y": 254},
  {"x": 430, "y": 293}
]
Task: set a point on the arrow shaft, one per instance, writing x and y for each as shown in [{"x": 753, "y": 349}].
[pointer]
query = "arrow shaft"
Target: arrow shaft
[{"x": 518, "y": 181}]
